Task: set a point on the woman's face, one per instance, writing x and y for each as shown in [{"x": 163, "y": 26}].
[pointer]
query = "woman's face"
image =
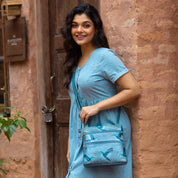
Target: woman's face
[{"x": 83, "y": 30}]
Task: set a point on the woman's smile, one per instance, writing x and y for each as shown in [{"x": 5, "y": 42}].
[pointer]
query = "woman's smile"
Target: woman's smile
[{"x": 80, "y": 37}]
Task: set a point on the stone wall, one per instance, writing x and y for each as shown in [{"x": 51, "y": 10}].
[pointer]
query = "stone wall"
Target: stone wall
[
  {"x": 23, "y": 150},
  {"x": 144, "y": 34},
  {"x": 158, "y": 70}
]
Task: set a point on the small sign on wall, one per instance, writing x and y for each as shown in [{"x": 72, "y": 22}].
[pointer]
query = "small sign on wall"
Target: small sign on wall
[{"x": 15, "y": 39}]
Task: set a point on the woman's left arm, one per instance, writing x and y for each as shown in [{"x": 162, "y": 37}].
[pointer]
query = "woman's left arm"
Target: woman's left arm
[{"x": 130, "y": 91}]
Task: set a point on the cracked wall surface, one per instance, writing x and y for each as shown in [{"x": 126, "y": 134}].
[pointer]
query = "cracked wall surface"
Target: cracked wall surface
[
  {"x": 23, "y": 150},
  {"x": 144, "y": 34}
]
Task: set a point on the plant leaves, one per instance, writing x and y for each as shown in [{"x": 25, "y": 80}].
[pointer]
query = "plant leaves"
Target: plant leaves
[
  {"x": 9, "y": 125},
  {"x": 23, "y": 118},
  {"x": 28, "y": 129},
  {"x": 9, "y": 131},
  {"x": 1, "y": 108},
  {"x": 3, "y": 161},
  {"x": 12, "y": 129},
  {"x": 7, "y": 135},
  {"x": 21, "y": 123},
  {"x": 3, "y": 171},
  {"x": 1, "y": 116},
  {"x": 5, "y": 129},
  {"x": 1, "y": 164}
]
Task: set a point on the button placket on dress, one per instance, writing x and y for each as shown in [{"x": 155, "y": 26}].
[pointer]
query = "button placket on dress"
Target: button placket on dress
[{"x": 79, "y": 124}]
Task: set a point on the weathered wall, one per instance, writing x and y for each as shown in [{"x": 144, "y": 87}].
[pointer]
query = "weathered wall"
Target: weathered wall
[
  {"x": 23, "y": 150},
  {"x": 144, "y": 34},
  {"x": 158, "y": 70}
]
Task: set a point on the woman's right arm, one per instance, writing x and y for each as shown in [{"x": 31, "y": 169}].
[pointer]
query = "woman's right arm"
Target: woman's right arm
[{"x": 68, "y": 152}]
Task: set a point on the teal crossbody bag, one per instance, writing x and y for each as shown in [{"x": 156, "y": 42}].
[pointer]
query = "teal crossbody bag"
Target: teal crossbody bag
[{"x": 102, "y": 145}]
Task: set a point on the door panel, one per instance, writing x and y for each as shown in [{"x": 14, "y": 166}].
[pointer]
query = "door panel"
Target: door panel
[
  {"x": 60, "y": 152},
  {"x": 62, "y": 9},
  {"x": 58, "y": 9},
  {"x": 62, "y": 111},
  {"x": 58, "y": 69}
]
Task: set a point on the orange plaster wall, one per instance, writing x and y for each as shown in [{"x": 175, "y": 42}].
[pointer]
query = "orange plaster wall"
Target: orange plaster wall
[
  {"x": 144, "y": 34},
  {"x": 158, "y": 70},
  {"x": 23, "y": 150}
]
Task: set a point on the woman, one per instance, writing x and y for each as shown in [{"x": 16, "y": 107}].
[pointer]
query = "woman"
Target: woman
[{"x": 97, "y": 72}]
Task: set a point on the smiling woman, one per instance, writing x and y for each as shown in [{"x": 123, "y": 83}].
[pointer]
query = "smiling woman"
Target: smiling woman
[{"x": 96, "y": 71}]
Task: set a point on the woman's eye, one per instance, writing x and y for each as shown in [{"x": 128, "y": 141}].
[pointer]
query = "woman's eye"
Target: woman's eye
[
  {"x": 86, "y": 25},
  {"x": 74, "y": 25}
]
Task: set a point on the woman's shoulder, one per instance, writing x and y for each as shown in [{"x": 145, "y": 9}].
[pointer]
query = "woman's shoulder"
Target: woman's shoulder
[{"x": 105, "y": 52}]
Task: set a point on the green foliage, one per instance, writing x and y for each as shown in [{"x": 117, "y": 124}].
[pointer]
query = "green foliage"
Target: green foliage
[
  {"x": 1, "y": 163},
  {"x": 9, "y": 125}
]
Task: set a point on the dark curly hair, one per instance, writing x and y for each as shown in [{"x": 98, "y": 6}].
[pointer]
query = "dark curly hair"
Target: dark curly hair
[{"x": 72, "y": 49}]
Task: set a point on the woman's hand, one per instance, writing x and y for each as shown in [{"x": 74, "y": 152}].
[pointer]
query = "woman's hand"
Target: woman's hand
[{"x": 88, "y": 111}]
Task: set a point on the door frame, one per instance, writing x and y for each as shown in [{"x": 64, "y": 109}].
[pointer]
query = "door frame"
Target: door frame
[{"x": 44, "y": 90}]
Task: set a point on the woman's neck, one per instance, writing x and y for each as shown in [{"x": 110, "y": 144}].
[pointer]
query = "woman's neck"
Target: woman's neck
[
  {"x": 87, "y": 50},
  {"x": 86, "y": 53}
]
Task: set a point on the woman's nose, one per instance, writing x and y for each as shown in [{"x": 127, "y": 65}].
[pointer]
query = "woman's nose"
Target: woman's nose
[{"x": 80, "y": 28}]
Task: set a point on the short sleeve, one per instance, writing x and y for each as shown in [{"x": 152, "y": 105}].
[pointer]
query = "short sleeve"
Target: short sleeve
[{"x": 112, "y": 67}]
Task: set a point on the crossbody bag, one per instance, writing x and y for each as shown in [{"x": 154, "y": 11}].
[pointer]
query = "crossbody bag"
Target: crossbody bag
[{"x": 102, "y": 145}]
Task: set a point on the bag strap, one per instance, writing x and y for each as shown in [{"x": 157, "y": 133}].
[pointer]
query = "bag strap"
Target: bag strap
[
  {"x": 76, "y": 92},
  {"x": 78, "y": 99}
]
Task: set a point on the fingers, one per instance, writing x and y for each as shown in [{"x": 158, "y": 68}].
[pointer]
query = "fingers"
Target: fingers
[
  {"x": 84, "y": 118},
  {"x": 87, "y": 112}
]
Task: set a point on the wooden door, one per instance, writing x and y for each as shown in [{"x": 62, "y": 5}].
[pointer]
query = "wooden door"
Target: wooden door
[
  {"x": 1, "y": 68},
  {"x": 58, "y": 10}
]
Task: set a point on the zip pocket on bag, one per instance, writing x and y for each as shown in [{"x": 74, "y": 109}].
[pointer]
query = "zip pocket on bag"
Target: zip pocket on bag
[
  {"x": 103, "y": 141},
  {"x": 103, "y": 136}
]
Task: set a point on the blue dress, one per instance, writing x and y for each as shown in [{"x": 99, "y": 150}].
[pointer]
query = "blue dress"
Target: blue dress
[{"x": 96, "y": 81}]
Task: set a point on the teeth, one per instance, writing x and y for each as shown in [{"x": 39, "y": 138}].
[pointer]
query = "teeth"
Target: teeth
[{"x": 80, "y": 35}]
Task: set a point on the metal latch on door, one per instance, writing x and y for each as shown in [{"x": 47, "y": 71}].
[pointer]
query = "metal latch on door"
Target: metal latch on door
[{"x": 47, "y": 113}]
